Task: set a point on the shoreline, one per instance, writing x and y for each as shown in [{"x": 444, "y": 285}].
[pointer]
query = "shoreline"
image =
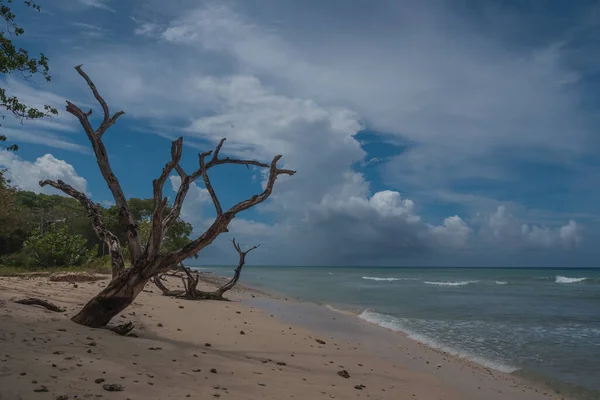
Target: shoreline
[
  {"x": 527, "y": 377},
  {"x": 256, "y": 350}
]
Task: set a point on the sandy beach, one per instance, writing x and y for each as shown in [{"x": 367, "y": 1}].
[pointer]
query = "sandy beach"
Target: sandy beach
[{"x": 254, "y": 347}]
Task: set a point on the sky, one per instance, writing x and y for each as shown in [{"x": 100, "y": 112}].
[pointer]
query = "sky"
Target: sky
[{"x": 437, "y": 133}]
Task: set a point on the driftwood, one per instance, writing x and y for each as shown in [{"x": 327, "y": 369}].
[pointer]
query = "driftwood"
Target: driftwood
[
  {"x": 191, "y": 278},
  {"x": 32, "y": 301},
  {"x": 147, "y": 261}
]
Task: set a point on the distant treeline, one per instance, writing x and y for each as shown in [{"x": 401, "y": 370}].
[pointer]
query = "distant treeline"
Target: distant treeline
[{"x": 39, "y": 230}]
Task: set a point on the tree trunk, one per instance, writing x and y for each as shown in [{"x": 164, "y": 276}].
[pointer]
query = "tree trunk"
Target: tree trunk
[{"x": 117, "y": 296}]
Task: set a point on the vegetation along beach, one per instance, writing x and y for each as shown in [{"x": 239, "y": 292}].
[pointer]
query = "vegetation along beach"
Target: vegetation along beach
[{"x": 255, "y": 199}]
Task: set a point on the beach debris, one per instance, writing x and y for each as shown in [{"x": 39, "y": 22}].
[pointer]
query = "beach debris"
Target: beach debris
[
  {"x": 33, "y": 301},
  {"x": 62, "y": 397},
  {"x": 344, "y": 374},
  {"x": 99, "y": 380},
  {"x": 213, "y": 370},
  {"x": 320, "y": 341},
  {"x": 73, "y": 277},
  {"x": 191, "y": 278},
  {"x": 207, "y": 345},
  {"x": 281, "y": 363},
  {"x": 359, "y": 387},
  {"x": 242, "y": 333},
  {"x": 41, "y": 389},
  {"x": 113, "y": 387}
]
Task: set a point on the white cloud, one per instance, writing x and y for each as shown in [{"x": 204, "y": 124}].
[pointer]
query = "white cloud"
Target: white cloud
[
  {"x": 196, "y": 199},
  {"x": 26, "y": 175},
  {"x": 100, "y": 4},
  {"x": 464, "y": 101},
  {"x": 503, "y": 228},
  {"x": 42, "y": 137},
  {"x": 459, "y": 97},
  {"x": 145, "y": 28},
  {"x": 454, "y": 233}
]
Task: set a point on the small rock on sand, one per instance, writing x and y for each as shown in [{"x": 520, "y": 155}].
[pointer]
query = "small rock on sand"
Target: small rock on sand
[
  {"x": 40, "y": 389},
  {"x": 113, "y": 387},
  {"x": 344, "y": 374}
]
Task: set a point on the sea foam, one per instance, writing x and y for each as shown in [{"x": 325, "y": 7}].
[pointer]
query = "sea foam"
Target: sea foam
[
  {"x": 389, "y": 322},
  {"x": 374, "y": 278},
  {"x": 566, "y": 279},
  {"x": 459, "y": 283}
]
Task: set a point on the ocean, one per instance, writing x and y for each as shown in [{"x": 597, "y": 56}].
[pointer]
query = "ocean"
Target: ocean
[{"x": 538, "y": 322}]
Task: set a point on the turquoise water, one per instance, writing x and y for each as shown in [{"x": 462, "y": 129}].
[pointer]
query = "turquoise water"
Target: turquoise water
[{"x": 542, "y": 322}]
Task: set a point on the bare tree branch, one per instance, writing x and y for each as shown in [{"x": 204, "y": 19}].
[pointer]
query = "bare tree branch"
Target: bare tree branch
[
  {"x": 238, "y": 271},
  {"x": 108, "y": 120},
  {"x": 222, "y": 221},
  {"x": 95, "y": 138},
  {"x": 158, "y": 230},
  {"x": 190, "y": 282},
  {"x": 208, "y": 185},
  {"x": 111, "y": 240},
  {"x": 186, "y": 180}
]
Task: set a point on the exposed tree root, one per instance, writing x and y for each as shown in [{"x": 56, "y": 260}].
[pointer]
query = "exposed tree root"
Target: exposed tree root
[{"x": 123, "y": 329}]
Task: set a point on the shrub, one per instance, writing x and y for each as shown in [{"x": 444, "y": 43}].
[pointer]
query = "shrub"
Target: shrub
[{"x": 58, "y": 247}]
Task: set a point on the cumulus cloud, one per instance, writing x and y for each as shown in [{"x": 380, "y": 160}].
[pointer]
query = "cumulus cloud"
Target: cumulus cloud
[
  {"x": 467, "y": 105},
  {"x": 196, "y": 199},
  {"x": 26, "y": 175},
  {"x": 503, "y": 228}
]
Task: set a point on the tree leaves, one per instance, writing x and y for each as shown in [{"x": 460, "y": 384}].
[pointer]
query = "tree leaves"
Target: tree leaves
[
  {"x": 58, "y": 247},
  {"x": 13, "y": 59}
]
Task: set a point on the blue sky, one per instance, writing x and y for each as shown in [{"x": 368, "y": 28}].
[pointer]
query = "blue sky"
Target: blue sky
[{"x": 424, "y": 133}]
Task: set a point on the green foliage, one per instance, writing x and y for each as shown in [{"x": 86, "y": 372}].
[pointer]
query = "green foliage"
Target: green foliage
[
  {"x": 24, "y": 214},
  {"x": 141, "y": 209},
  {"x": 14, "y": 227},
  {"x": 13, "y": 59},
  {"x": 57, "y": 246},
  {"x": 19, "y": 259}
]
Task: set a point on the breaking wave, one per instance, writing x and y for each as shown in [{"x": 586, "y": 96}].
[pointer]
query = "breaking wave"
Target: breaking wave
[
  {"x": 501, "y": 283},
  {"x": 459, "y": 283},
  {"x": 566, "y": 279},
  {"x": 374, "y": 278},
  {"x": 389, "y": 322}
]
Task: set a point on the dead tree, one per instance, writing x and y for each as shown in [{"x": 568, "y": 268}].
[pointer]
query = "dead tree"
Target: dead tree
[
  {"x": 191, "y": 278},
  {"x": 148, "y": 261}
]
